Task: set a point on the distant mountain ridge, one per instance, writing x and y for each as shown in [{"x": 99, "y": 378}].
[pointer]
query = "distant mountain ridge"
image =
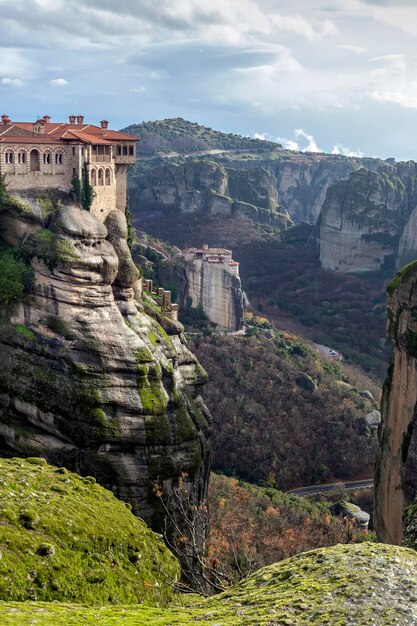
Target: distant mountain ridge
[
  {"x": 181, "y": 164},
  {"x": 182, "y": 136}
]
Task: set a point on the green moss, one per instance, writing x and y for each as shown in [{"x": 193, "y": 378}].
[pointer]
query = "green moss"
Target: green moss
[
  {"x": 65, "y": 538},
  {"x": 158, "y": 430},
  {"x": 154, "y": 339},
  {"x": 98, "y": 417},
  {"x": 402, "y": 274},
  {"x": 143, "y": 355},
  {"x": 185, "y": 427},
  {"x": 153, "y": 400},
  {"x": 24, "y": 331},
  {"x": 51, "y": 248},
  {"x": 364, "y": 584}
]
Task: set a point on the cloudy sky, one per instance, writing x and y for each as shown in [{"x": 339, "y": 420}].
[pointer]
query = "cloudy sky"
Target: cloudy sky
[{"x": 332, "y": 75}]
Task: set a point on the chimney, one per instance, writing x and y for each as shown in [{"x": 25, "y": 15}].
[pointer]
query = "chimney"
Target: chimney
[
  {"x": 80, "y": 119},
  {"x": 47, "y": 119},
  {"x": 72, "y": 119},
  {"x": 5, "y": 119},
  {"x": 104, "y": 124}
]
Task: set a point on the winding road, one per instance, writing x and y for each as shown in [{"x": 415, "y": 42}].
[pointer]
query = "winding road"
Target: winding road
[{"x": 302, "y": 492}]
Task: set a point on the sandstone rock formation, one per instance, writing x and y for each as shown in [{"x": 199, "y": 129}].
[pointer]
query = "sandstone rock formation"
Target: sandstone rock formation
[
  {"x": 396, "y": 469},
  {"x": 90, "y": 379},
  {"x": 363, "y": 218},
  {"x": 209, "y": 187},
  {"x": 209, "y": 285}
]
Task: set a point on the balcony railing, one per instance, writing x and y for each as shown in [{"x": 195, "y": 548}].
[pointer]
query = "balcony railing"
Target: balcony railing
[{"x": 101, "y": 158}]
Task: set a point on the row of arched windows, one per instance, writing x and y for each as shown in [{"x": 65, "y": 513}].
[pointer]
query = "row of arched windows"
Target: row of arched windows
[
  {"x": 22, "y": 156},
  {"x": 101, "y": 176}
]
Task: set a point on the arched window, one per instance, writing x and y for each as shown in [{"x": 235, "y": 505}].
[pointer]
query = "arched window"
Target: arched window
[
  {"x": 9, "y": 157},
  {"x": 47, "y": 158},
  {"x": 34, "y": 161},
  {"x": 94, "y": 177},
  {"x": 100, "y": 176},
  {"x": 21, "y": 157},
  {"x": 108, "y": 176},
  {"x": 59, "y": 158}
]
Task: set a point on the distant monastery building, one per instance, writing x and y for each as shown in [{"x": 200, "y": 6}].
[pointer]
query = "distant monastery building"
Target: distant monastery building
[
  {"x": 220, "y": 256},
  {"x": 42, "y": 154}
]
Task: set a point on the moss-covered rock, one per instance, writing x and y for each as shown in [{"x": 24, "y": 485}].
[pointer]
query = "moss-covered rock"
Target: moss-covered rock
[
  {"x": 357, "y": 585},
  {"x": 65, "y": 538}
]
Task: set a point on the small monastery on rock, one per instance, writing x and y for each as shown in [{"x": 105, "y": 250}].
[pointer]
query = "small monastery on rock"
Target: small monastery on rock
[{"x": 45, "y": 154}]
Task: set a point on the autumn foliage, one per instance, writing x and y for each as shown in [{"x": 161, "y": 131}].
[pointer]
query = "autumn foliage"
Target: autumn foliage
[{"x": 252, "y": 526}]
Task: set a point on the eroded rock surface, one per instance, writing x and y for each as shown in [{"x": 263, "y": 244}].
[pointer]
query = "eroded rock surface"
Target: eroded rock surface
[
  {"x": 89, "y": 380},
  {"x": 210, "y": 188},
  {"x": 368, "y": 221},
  {"x": 209, "y": 285},
  {"x": 396, "y": 470}
]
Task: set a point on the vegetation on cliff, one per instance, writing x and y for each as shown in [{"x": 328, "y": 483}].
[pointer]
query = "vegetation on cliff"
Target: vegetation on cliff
[
  {"x": 179, "y": 135},
  {"x": 65, "y": 538},
  {"x": 283, "y": 416}
]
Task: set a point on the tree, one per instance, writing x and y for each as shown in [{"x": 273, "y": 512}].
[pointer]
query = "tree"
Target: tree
[
  {"x": 186, "y": 533},
  {"x": 131, "y": 234},
  {"x": 83, "y": 191}
]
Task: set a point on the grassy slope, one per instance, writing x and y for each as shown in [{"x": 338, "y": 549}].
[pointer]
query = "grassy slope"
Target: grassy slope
[
  {"x": 65, "y": 538},
  {"x": 362, "y": 584}
]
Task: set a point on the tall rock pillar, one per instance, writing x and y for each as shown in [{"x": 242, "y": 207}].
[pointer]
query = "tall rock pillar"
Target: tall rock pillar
[{"x": 396, "y": 467}]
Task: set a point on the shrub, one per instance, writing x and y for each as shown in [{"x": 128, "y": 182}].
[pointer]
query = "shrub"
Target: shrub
[{"x": 15, "y": 277}]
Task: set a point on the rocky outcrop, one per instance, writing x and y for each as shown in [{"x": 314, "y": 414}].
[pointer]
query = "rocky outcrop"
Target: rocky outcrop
[
  {"x": 89, "y": 380},
  {"x": 396, "y": 469},
  {"x": 359, "y": 584},
  {"x": 368, "y": 221},
  {"x": 207, "y": 285},
  {"x": 208, "y": 187}
]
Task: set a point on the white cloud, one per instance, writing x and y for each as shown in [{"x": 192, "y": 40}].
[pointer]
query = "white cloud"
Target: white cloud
[
  {"x": 352, "y": 48},
  {"x": 262, "y": 136},
  {"x": 13, "y": 62},
  {"x": 407, "y": 101},
  {"x": 311, "y": 142},
  {"x": 302, "y": 142},
  {"x": 12, "y": 82},
  {"x": 58, "y": 82},
  {"x": 339, "y": 148}
]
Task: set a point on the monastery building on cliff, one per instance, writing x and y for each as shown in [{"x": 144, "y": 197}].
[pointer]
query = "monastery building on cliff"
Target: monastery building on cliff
[{"x": 45, "y": 154}]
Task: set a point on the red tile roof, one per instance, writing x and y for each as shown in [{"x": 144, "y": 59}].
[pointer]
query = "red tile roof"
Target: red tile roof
[{"x": 57, "y": 132}]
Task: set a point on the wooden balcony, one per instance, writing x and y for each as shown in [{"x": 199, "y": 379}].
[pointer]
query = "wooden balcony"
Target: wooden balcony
[{"x": 100, "y": 158}]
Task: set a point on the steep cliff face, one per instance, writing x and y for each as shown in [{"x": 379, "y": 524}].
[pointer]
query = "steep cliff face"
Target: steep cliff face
[
  {"x": 302, "y": 180},
  {"x": 299, "y": 181},
  {"x": 209, "y": 285},
  {"x": 396, "y": 470},
  {"x": 209, "y": 187},
  {"x": 217, "y": 291},
  {"x": 361, "y": 221},
  {"x": 90, "y": 379}
]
